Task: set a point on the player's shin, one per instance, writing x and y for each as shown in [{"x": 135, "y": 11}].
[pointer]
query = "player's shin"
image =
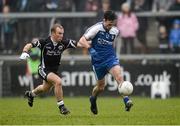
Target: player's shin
[{"x": 38, "y": 90}]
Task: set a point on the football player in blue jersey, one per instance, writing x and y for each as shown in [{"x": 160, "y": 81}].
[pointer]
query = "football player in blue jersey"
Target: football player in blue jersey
[{"x": 99, "y": 39}]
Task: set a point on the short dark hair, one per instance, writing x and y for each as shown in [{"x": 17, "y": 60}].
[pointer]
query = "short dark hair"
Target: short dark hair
[
  {"x": 53, "y": 29},
  {"x": 110, "y": 15}
]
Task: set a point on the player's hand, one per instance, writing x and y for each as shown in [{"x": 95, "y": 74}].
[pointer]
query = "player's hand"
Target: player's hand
[{"x": 24, "y": 56}]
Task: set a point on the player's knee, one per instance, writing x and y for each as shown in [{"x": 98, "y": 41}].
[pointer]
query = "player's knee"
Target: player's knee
[
  {"x": 101, "y": 88},
  {"x": 119, "y": 78},
  {"x": 58, "y": 82}
]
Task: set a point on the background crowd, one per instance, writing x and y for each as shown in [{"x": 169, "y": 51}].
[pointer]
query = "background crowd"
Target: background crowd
[{"x": 137, "y": 33}]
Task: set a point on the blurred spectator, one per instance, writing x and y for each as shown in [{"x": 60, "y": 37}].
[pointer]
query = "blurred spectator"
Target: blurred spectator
[
  {"x": 174, "y": 37},
  {"x": 161, "y": 5},
  {"x": 141, "y": 6},
  {"x": 11, "y": 3},
  {"x": 8, "y": 30},
  {"x": 163, "y": 40},
  {"x": 59, "y": 5},
  {"x": 174, "y": 7},
  {"x": 127, "y": 24},
  {"x": 105, "y": 6},
  {"x": 51, "y": 5},
  {"x": 23, "y": 6},
  {"x": 91, "y": 5}
]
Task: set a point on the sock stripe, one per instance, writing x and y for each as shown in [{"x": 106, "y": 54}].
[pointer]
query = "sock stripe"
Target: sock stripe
[
  {"x": 59, "y": 103},
  {"x": 126, "y": 98}
]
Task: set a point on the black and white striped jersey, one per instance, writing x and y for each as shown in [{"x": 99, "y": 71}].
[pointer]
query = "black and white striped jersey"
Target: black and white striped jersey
[{"x": 51, "y": 51}]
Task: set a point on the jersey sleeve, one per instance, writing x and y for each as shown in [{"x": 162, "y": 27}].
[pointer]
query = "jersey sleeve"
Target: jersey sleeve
[
  {"x": 69, "y": 43},
  {"x": 91, "y": 32},
  {"x": 38, "y": 43},
  {"x": 115, "y": 31}
]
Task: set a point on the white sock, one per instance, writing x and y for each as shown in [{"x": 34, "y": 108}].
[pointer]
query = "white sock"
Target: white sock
[
  {"x": 59, "y": 103},
  {"x": 33, "y": 94}
]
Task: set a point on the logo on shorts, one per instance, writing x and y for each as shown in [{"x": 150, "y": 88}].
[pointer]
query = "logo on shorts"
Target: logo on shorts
[{"x": 47, "y": 47}]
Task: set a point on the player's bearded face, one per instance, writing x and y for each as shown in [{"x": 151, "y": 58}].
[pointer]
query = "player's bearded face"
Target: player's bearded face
[
  {"x": 109, "y": 24},
  {"x": 58, "y": 35}
]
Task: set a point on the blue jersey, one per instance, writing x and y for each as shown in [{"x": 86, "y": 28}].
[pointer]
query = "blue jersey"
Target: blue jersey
[{"x": 102, "y": 42}]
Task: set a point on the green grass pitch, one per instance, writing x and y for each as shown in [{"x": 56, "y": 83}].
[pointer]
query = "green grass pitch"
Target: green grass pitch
[{"x": 111, "y": 112}]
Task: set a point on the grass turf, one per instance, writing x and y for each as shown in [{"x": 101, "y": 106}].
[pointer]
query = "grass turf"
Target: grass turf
[{"x": 111, "y": 112}]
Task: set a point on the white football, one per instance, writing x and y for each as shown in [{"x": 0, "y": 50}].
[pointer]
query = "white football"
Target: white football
[{"x": 126, "y": 88}]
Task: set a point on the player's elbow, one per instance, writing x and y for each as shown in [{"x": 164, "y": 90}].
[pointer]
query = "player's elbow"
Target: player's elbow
[
  {"x": 28, "y": 45},
  {"x": 81, "y": 40},
  {"x": 79, "y": 45},
  {"x": 84, "y": 43}
]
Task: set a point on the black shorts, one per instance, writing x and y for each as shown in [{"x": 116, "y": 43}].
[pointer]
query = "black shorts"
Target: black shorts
[{"x": 43, "y": 72}]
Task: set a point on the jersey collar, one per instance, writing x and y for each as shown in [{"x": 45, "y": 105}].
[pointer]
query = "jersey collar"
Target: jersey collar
[{"x": 54, "y": 43}]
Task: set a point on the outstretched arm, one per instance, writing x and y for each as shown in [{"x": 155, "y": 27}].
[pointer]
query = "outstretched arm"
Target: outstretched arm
[
  {"x": 84, "y": 43},
  {"x": 27, "y": 47}
]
